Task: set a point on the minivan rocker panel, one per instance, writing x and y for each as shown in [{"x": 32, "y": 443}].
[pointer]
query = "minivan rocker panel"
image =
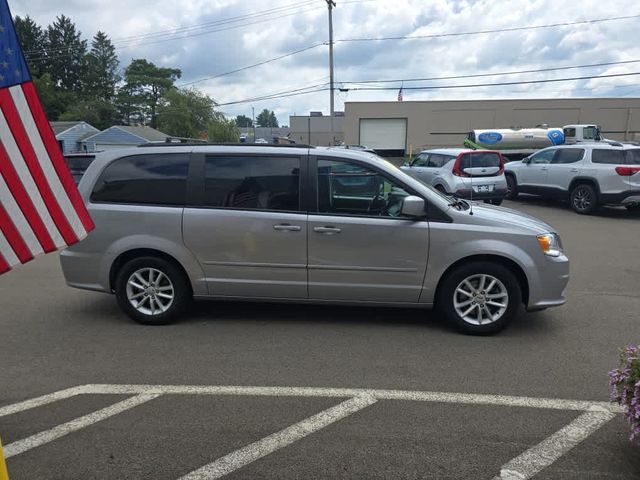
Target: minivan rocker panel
[{"x": 351, "y": 241}]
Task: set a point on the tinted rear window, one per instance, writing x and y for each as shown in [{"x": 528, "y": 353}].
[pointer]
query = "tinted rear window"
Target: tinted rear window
[
  {"x": 614, "y": 157},
  {"x": 633, "y": 156},
  {"x": 260, "y": 183},
  {"x": 144, "y": 179},
  {"x": 481, "y": 160}
]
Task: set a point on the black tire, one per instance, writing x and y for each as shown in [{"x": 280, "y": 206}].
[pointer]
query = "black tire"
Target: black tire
[
  {"x": 496, "y": 201},
  {"x": 440, "y": 188},
  {"x": 181, "y": 290},
  {"x": 633, "y": 208},
  {"x": 583, "y": 199},
  {"x": 512, "y": 188},
  {"x": 445, "y": 297}
]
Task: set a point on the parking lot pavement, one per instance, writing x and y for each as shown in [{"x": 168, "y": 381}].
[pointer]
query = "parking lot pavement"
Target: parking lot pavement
[{"x": 53, "y": 338}]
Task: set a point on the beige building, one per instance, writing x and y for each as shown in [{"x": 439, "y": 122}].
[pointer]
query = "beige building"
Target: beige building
[
  {"x": 402, "y": 126},
  {"x": 316, "y": 129}
]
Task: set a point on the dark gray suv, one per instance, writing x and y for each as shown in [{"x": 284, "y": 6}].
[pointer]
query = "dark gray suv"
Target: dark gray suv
[{"x": 304, "y": 225}]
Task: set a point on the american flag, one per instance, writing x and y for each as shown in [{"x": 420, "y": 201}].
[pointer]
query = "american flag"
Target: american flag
[
  {"x": 400, "y": 94},
  {"x": 41, "y": 210}
]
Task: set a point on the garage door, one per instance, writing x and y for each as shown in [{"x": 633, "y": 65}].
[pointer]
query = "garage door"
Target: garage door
[{"x": 383, "y": 133}]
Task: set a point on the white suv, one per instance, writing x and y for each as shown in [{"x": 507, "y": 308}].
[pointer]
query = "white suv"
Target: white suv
[{"x": 588, "y": 175}]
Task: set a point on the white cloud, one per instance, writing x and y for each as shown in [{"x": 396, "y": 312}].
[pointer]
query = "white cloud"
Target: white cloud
[{"x": 200, "y": 56}]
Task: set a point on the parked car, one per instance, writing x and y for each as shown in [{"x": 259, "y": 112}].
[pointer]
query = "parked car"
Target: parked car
[
  {"x": 78, "y": 164},
  {"x": 588, "y": 175},
  {"x": 465, "y": 173},
  {"x": 284, "y": 223}
]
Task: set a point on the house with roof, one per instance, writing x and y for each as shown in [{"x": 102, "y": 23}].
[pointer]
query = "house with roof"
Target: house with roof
[
  {"x": 122, "y": 136},
  {"x": 71, "y": 134}
]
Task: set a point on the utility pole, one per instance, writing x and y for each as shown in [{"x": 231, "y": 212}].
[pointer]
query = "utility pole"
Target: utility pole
[
  {"x": 331, "y": 4},
  {"x": 253, "y": 122}
]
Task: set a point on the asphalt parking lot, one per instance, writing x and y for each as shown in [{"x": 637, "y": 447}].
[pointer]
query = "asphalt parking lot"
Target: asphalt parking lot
[{"x": 357, "y": 392}]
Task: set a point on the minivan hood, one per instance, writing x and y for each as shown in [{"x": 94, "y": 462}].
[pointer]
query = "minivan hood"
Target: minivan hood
[{"x": 501, "y": 216}]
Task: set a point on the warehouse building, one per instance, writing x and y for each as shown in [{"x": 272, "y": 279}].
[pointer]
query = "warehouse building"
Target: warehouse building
[{"x": 396, "y": 128}]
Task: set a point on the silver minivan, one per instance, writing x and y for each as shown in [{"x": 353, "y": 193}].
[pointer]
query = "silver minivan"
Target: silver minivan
[{"x": 303, "y": 224}]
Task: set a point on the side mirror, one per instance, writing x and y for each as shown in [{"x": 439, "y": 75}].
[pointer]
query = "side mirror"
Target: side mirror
[
  {"x": 413, "y": 206},
  {"x": 526, "y": 160}
]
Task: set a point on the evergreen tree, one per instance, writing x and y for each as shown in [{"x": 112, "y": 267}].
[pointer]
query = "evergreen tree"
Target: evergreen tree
[
  {"x": 102, "y": 69},
  {"x": 66, "y": 60},
  {"x": 146, "y": 86},
  {"x": 33, "y": 41}
]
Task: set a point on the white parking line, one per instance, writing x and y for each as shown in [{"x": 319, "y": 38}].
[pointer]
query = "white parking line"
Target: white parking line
[
  {"x": 408, "y": 395},
  {"x": 529, "y": 463},
  {"x": 523, "y": 467},
  {"x": 21, "y": 446},
  {"x": 254, "y": 451},
  {"x": 39, "y": 401}
]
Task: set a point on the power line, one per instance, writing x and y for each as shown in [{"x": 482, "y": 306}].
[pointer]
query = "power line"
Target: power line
[
  {"x": 274, "y": 59},
  {"x": 527, "y": 82},
  {"x": 224, "y": 21},
  {"x": 480, "y": 32},
  {"x": 453, "y": 77}
]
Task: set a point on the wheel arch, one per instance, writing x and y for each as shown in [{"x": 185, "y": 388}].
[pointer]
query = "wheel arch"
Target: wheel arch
[
  {"x": 128, "y": 255},
  {"x": 504, "y": 261},
  {"x": 581, "y": 180}
]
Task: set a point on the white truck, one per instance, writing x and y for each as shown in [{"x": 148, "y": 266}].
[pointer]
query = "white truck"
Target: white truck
[{"x": 517, "y": 143}]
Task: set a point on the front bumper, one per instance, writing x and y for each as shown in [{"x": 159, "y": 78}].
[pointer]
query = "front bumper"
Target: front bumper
[
  {"x": 548, "y": 283},
  {"x": 497, "y": 194}
]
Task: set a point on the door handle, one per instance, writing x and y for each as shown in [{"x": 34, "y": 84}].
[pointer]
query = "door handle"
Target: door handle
[
  {"x": 327, "y": 230},
  {"x": 285, "y": 227},
  {"x": 544, "y": 169},
  {"x": 574, "y": 170}
]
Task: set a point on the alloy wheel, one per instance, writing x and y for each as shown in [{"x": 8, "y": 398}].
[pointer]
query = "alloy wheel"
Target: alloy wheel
[
  {"x": 480, "y": 299},
  {"x": 150, "y": 291}
]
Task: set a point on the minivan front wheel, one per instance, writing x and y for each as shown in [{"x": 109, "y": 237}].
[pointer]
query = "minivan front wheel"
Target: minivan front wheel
[
  {"x": 151, "y": 290},
  {"x": 480, "y": 298}
]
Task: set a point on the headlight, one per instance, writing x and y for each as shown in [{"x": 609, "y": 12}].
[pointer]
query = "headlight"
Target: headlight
[{"x": 550, "y": 244}]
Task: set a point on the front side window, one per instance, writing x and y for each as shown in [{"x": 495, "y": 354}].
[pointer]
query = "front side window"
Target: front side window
[
  {"x": 543, "y": 157},
  {"x": 157, "y": 179},
  {"x": 609, "y": 156},
  {"x": 346, "y": 188},
  {"x": 254, "y": 183},
  {"x": 568, "y": 155}
]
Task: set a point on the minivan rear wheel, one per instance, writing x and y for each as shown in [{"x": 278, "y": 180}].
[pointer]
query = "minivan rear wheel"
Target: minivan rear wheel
[
  {"x": 480, "y": 297},
  {"x": 151, "y": 290}
]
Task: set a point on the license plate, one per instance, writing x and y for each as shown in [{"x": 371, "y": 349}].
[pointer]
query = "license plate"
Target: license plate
[{"x": 483, "y": 188}]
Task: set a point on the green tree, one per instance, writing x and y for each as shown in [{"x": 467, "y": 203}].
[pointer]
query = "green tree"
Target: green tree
[
  {"x": 267, "y": 118},
  {"x": 102, "y": 68},
  {"x": 223, "y": 130},
  {"x": 97, "y": 112},
  {"x": 186, "y": 113},
  {"x": 147, "y": 85},
  {"x": 55, "y": 100},
  {"x": 243, "y": 121},
  {"x": 66, "y": 54},
  {"x": 33, "y": 41}
]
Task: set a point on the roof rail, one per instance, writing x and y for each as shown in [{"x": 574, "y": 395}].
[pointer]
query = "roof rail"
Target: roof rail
[{"x": 206, "y": 144}]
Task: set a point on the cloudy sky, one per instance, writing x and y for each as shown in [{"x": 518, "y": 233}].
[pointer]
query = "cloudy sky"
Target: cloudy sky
[{"x": 211, "y": 38}]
